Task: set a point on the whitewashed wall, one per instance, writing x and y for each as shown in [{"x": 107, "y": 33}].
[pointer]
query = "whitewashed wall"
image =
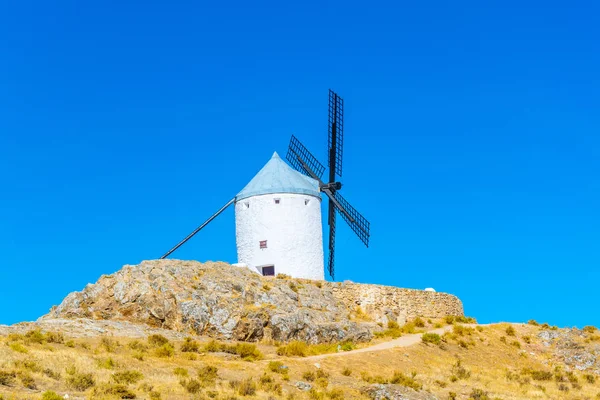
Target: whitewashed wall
[{"x": 291, "y": 228}]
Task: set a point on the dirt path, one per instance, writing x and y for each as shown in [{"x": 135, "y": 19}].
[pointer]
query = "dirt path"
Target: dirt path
[{"x": 403, "y": 341}]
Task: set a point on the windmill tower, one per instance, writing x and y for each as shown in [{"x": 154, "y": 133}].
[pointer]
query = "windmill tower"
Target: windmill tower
[
  {"x": 278, "y": 223},
  {"x": 278, "y": 213}
]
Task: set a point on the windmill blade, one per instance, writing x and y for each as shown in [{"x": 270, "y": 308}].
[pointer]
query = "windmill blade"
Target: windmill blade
[
  {"x": 331, "y": 263},
  {"x": 336, "y": 135},
  {"x": 188, "y": 237},
  {"x": 357, "y": 222},
  {"x": 302, "y": 159}
]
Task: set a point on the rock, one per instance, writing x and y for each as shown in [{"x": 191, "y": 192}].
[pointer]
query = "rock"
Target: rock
[
  {"x": 548, "y": 335},
  {"x": 303, "y": 386},
  {"x": 395, "y": 392},
  {"x": 225, "y": 302}
]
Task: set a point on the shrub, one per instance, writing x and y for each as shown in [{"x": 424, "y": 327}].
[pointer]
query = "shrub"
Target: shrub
[
  {"x": 516, "y": 344},
  {"x": 346, "y": 346},
  {"x": 127, "y": 377},
  {"x": 50, "y": 395},
  {"x": 27, "y": 380},
  {"x": 51, "y": 374},
  {"x": 533, "y": 322},
  {"x": 213, "y": 346},
  {"x": 157, "y": 340},
  {"x": 478, "y": 394},
  {"x": 527, "y": 339},
  {"x": 346, "y": 371},
  {"x": 208, "y": 374},
  {"x": 19, "y": 348},
  {"x": 373, "y": 379},
  {"x": 80, "y": 381},
  {"x": 590, "y": 329},
  {"x": 461, "y": 330},
  {"x": 309, "y": 376},
  {"x": 452, "y": 396},
  {"x": 336, "y": 394},
  {"x": 590, "y": 378},
  {"x": 503, "y": 339},
  {"x": 137, "y": 345},
  {"x": 293, "y": 287},
  {"x": 465, "y": 320},
  {"x": 539, "y": 375},
  {"x": 55, "y": 337},
  {"x": 295, "y": 348},
  {"x": 459, "y": 371},
  {"x": 190, "y": 346},
  {"x": 191, "y": 385},
  {"x": 70, "y": 343},
  {"x": 154, "y": 395},
  {"x": 109, "y": 344},
  {"x": 248, "y": 351},
  {"x": 431, "y": 338},
  {"x": 321, "y": 382},
  {"x": 106, "y": 363},
  {"x": 563, "y": 388},
  {"x": 572, "y": 378},
  {"x": 277, "y": 366},
  {"x": 510, "y": 331},
  {"x": 400, "y": 379},
  {"x": 166, "y": 350},
  {"x": 419, "y": 323},
  {"x": 392, "y": 325},
  {"x": 118, "y": 391},
  {"x": 247, "y": 387},
  {"x": 180, "y": 371},
  {"x": 313, "y": 394},
  {"x": 35, "y": 336},
  {"x": 7, "y": 378},
  {"x": 267, "y": 384},
  {"x": 28, "y": 364}
]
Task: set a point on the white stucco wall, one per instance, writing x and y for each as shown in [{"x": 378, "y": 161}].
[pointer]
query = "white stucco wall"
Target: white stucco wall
[{"x": 291, "y": 228}]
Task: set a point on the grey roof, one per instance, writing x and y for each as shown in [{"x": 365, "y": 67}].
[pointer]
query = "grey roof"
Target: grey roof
[{"x": 278, "y": 177}]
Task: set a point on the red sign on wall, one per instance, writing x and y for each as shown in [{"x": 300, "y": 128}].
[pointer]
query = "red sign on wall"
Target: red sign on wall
[{"x": 263, "y": 244}]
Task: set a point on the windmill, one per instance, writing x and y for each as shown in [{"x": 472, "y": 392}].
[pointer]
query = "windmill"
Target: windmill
[
  {"x": 303, "y": 161},
  {"x": 278, "y": 213}
]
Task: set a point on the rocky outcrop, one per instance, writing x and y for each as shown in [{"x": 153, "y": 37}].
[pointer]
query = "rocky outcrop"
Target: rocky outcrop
[{"x": 227, "y": 302}]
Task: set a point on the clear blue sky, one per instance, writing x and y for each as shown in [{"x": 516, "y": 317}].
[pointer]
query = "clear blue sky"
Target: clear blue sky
[{"x": 472, "y": 140}]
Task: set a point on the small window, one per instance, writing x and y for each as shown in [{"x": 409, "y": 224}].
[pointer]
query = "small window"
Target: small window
[
  {"x": 277, "y": 201},
  {"x": 263, "y": 244},
  {"x": 268, "y": 271},
  {"x": 247, "y": 204},
  {"x": 306, "y": 201}
]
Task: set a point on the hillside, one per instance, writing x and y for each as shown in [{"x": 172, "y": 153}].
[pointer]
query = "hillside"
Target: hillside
[
  {"x": 184, "y": 330},
  {"x": 468, "y": 361}
]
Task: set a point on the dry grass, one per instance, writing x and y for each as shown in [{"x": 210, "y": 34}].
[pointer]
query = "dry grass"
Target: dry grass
[{"x": 109, "y": 368}]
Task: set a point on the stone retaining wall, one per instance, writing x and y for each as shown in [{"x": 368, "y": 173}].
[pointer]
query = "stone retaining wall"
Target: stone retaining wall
[{"x": 384, "y": 303}]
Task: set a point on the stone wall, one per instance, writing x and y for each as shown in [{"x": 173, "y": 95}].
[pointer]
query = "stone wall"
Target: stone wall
[{"x": 384, "y": 303}]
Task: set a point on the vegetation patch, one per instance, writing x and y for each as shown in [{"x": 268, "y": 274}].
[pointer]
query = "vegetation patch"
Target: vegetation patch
[
  {"x": 127, "y": 377},
  {"x": 433, "y": 338}
]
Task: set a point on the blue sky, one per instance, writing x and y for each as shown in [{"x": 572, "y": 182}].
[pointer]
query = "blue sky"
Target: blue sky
[{"x": 471, "y": 140}]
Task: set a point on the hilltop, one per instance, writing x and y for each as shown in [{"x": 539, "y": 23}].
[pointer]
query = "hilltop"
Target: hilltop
[{"x": 228, "y": 302}]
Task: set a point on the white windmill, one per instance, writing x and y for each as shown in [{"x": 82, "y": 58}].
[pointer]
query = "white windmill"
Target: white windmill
[{"x": 278, "y": 213}]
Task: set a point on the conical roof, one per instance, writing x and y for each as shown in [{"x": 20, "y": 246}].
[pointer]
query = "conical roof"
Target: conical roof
[{"x": 278, "y": 177}]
